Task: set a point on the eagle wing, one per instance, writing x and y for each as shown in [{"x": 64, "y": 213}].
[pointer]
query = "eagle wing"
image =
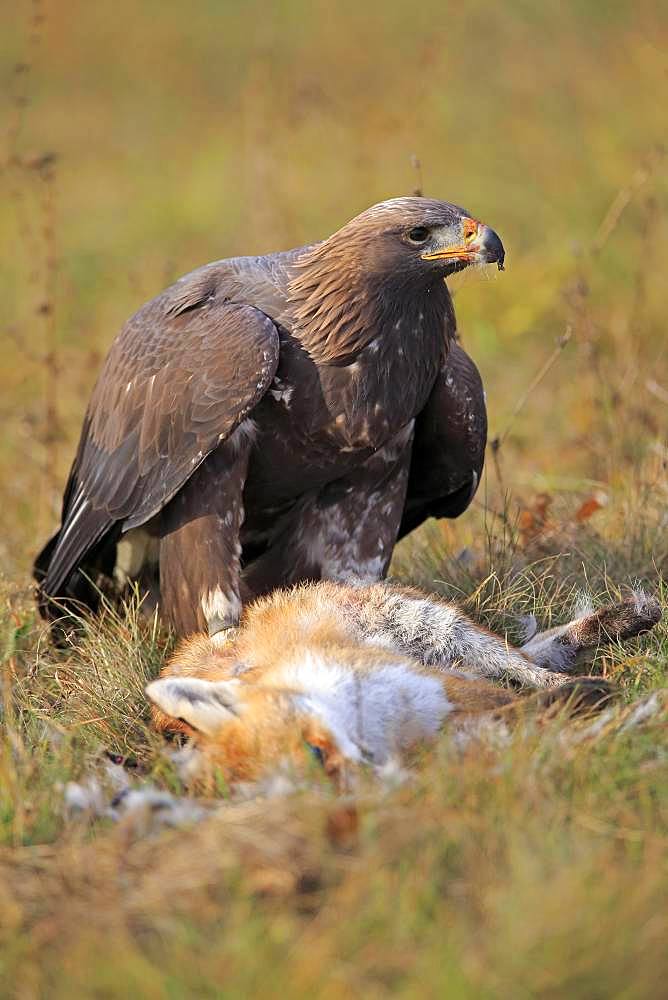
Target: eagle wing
[
  {"x": 449, "y": 445},
  {"x": 182, "y": 375}
]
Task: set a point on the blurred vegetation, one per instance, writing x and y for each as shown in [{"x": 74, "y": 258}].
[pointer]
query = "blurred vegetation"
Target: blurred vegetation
[{"x": 141, "y": 140}]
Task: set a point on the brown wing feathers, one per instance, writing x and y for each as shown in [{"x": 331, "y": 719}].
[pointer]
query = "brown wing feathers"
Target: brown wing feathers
[
  {"x": 185, "y": 371},
  {"x": 449, "y": 446}
]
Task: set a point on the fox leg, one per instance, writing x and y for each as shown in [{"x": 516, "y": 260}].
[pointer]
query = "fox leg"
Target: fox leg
[
  {"x": 438, "y": 634},
  {"x": 199, "y": 544},
  {"x": 560, "y": 648}
]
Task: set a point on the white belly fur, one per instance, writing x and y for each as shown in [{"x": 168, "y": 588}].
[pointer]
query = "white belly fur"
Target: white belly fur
[{"x": 371, "y": 715}]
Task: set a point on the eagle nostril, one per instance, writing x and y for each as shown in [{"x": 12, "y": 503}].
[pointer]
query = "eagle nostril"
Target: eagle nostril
[{"x": 470, "y": 228}]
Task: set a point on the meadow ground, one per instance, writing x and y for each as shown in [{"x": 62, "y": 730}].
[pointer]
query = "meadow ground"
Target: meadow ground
[{"x": 140, "y": 141}]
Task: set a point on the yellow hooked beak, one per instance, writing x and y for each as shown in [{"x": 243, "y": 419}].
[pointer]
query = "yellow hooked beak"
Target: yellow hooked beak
[{"x": 479, "y": 244}]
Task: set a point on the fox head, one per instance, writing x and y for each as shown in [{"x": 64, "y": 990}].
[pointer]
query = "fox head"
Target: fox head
[{"x": 241, "y": 731}]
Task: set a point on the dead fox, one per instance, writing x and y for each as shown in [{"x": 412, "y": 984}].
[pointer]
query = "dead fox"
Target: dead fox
[{"x": 365, "y": 674}]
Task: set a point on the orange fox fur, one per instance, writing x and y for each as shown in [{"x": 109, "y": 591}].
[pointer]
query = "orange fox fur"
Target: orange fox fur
[{"x": 364, "y": 674}]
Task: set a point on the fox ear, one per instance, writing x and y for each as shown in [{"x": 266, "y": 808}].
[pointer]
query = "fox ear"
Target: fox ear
[{"x": 203, "y": 705}]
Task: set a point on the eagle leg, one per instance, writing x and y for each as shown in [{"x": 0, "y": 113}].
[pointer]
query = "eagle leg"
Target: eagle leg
[{"x": 199, "y": 545}]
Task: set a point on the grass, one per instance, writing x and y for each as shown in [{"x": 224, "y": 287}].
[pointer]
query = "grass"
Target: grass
[
  {"x": 533, "y": 868},
  {"x": 143, "y": 140}
]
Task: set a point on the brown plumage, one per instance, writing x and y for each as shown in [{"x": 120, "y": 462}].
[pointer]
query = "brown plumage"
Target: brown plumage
[{"x": 270, "y": 420}]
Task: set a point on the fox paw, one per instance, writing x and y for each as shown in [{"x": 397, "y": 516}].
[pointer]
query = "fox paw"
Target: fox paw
[{"x": 633, "y": 616}]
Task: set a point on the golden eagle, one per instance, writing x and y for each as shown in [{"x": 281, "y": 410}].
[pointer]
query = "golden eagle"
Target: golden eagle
[{"x": 270, "y": 420}]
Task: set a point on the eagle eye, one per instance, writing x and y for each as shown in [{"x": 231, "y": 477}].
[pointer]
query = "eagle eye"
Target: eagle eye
[{"x": 418, "y": 234}]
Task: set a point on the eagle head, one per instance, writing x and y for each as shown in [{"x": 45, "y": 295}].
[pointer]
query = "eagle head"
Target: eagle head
[
  {"x": 382, "y": 265},
  {"x": 422, "y": 236}
]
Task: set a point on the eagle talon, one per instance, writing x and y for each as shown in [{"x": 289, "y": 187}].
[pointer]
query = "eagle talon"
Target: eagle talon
[{"x": 224, "y": 636}]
